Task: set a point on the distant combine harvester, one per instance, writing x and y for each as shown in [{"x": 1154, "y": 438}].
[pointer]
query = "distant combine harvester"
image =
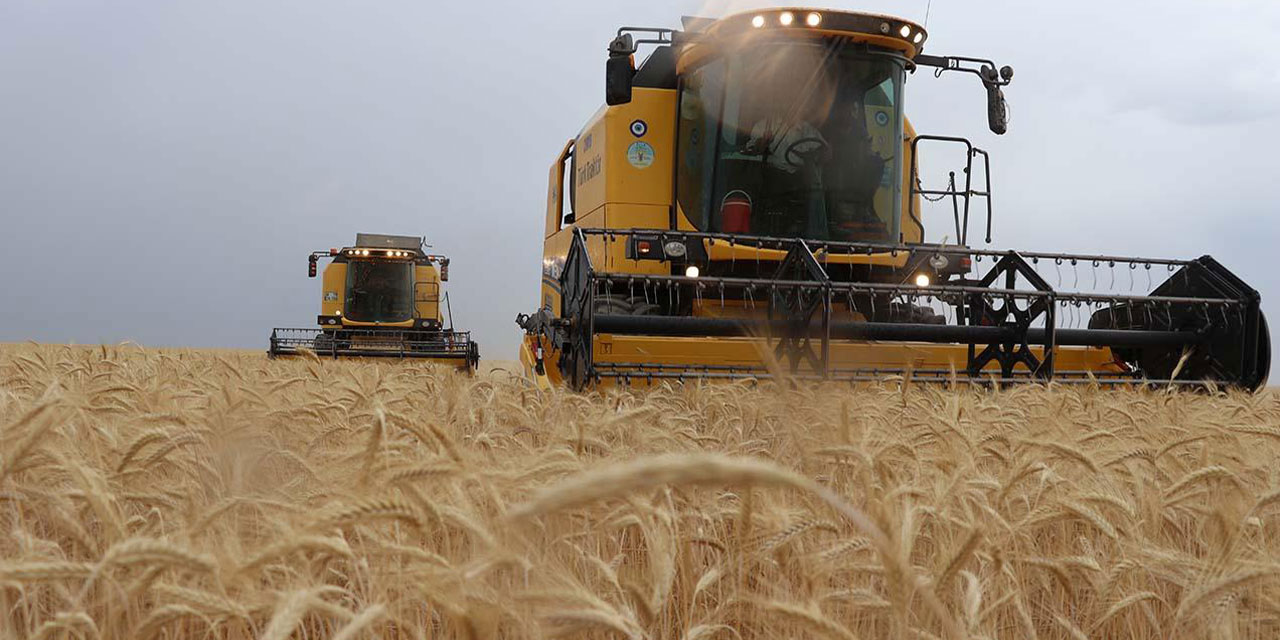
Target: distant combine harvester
[{"x": 382, "y": 298}]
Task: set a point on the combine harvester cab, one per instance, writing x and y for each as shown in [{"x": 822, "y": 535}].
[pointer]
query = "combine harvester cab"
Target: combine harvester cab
[
  {"x": 748, "y": 205},
  {"x": 382, "y": 298}
]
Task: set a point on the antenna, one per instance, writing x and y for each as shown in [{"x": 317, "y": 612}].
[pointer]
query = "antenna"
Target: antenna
[{"x": 927, "y": 7}]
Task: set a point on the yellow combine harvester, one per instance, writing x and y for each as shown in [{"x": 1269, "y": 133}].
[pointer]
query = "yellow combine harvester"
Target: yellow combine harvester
[
  {"x": 382, "y": 298},
  {"x": 748, "y": 203}
]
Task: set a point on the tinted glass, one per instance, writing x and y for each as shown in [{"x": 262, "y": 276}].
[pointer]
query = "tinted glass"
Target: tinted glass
[
  {"x": 793, "y": 140},
  {"x": 379, "y": 291}
]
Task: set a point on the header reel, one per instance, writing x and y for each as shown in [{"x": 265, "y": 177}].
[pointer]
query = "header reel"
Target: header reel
[{"x": 1008, "y": 324}]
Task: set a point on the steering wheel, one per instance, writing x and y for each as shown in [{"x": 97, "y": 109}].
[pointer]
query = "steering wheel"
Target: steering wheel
[{"x": 800, "y": 155}]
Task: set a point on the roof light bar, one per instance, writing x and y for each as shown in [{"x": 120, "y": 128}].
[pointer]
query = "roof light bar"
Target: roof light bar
[{"x": 909, "y": 33}]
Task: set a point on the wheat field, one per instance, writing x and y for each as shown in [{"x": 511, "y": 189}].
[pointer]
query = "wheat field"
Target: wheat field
[{"x": 183, "y": 494}]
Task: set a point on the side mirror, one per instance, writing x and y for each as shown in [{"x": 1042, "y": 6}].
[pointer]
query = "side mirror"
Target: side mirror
[
  {"x": 617, "y": 80},
  {"x": 619, "y": 70},
  {"x": 444, "y": 270},
  {"x": 997, "y": 108},
  {"x": 311, "y": 267}
]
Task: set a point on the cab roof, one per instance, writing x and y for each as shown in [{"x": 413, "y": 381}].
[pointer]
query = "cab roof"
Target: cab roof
[{"x": 875, "y": 29}]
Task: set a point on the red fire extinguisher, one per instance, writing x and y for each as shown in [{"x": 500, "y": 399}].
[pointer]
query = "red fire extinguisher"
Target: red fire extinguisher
[{"x": 735, "y": 212}]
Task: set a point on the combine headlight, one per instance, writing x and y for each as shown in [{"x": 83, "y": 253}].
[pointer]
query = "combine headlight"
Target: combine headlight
[
  {"x": 691, "y": 272},
  {"x": 786, "y": 18},
  {"x": 338, "y": 312},
  {"x": 757, "y": 21},
  {"x": 675, "y": 249},
  {"x": 905, "y": 31},
  {"x": 922, "y": 280},
  {"x": 814, "y": 19},
  {"x": 919, "y": 37}
]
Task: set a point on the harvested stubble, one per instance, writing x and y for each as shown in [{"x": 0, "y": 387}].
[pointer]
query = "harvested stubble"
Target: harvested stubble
[{"x": 149, "y": 493}]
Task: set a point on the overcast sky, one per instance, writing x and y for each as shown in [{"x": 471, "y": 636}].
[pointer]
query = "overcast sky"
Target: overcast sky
[{"x": 165, "y": 167}]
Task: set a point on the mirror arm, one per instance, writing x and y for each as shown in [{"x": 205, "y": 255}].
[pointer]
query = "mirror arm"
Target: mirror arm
[
  {"x": 993, "y": 81},
  {"x": 961, "y": 63},
  {"x": 620, "y": 70},
  {"x": 659, "y": 35}
]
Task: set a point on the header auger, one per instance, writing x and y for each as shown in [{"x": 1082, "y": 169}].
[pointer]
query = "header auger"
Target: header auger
[
  {"x": 749, "y": 204},
  {"x": 381, "y": 298}
]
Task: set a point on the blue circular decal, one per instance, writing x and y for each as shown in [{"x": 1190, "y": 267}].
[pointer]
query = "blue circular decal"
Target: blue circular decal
[{"x": 639, "y": 128}]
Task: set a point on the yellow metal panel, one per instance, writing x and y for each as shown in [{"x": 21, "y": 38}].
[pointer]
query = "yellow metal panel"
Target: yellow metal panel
[
  {"x": 352, "y": 323},
  {"x": 556, "y": 249},
  {"x": 426, "y": 292},
  {"x": 638, "y": 168},
  {"x": 638, "y": 216},
  {"x": 333, "y": 289},
  {"x": 754, "y": 352},
  {"x": 682, "y": 220},
  {"x": 722, "y": 250}
]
